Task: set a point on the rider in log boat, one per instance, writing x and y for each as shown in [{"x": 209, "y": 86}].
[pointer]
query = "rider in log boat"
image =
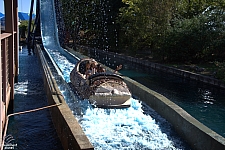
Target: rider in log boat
[{"x": 101, "y": 87}]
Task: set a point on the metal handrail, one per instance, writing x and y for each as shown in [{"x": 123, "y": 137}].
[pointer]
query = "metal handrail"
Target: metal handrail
[{"x": 5, "y": 35}]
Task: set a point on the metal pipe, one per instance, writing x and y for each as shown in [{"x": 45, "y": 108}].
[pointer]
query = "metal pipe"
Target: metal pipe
[{"x": 23, "y": 112}]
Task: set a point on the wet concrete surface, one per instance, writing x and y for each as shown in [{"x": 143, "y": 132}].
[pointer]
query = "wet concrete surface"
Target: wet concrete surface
[{"x": 33, "y": 130}]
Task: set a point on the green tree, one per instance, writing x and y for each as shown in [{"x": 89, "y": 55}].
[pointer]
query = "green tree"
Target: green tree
[
  {"x": 143, "y": 21},
  {"x": 184, "y": 30},
  {"x": 23, "y": 28},
  {"x": 197, "y": 39},
  {"x": 92, "y": 22}
]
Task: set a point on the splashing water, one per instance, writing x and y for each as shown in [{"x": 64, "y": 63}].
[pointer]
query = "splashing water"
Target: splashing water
[
  {"x": 124, "y": 129},
  {"x": 130, "y": 128}
]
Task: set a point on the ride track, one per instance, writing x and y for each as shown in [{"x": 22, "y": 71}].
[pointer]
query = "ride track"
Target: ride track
[{"x": 137, "y": 127}]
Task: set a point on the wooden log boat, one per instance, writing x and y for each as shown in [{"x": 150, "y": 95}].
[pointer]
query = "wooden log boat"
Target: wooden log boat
[{"x": 105, "y": 89}]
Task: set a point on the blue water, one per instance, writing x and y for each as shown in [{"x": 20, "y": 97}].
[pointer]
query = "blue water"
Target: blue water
[
  {"x": 204, "y": 102},
  {"x": 137, "y": 127},
  {"x": 31, "y": 131}
]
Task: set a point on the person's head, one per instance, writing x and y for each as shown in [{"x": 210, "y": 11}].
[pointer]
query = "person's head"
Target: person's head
[
  {"x": 100, "y": 68},
  {"x": 93, "y": 64},
  {"x": 88, "y": 64}
]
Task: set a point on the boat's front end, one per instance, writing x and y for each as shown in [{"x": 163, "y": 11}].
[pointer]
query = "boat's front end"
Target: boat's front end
[{"x": 110, "y": 92}]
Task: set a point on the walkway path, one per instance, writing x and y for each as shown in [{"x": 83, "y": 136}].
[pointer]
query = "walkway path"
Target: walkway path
[{"x": 35, "y": 130}]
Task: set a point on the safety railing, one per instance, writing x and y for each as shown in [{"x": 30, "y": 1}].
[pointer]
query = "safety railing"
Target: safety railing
[
  {"x": 7, "y": 73},
  {"x": 6, "y": 56}
]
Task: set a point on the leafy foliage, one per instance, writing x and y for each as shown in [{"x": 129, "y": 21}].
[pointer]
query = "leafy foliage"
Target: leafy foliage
[
  {"x": 181, "y": 31},
  {"x": 198, "y": 39},
  {"x": 142, "y": 21},
  {"x": 187, "y": 31},
  {"x": 92, "y": 22},
  {"x": 23, "y": 28}
]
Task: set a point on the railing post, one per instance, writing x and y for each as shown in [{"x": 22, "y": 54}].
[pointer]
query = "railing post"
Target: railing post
[
  {"x": 4, "y": 70},
  {"x": 8, "y": 60},
  {"x": 9, "y": 28},
  {"x": 16, "y": 38},
  {"x": 29, "y": 26},
  {"x": 1, "y": 110}
]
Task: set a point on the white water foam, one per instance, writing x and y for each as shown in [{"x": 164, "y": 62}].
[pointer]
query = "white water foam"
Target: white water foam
[
  {"x": 126, "y": 128},
  {"x": 130, "y": 128},
  {"x": 107, "y": 129}
]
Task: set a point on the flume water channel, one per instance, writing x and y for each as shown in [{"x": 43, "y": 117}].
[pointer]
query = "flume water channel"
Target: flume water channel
[
  {"x": 204, "y": 102},
  {"x": 137, "y": 127}
]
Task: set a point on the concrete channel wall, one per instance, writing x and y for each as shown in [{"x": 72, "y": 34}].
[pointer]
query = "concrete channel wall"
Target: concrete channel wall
[
  {"x": 197, "y": 135},
  {"x": 68, "y": 129}
]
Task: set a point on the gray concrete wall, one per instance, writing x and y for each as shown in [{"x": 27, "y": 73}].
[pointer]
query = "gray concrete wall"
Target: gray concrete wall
[
  {"x": 178, "y": 72},
  {"x": 68, "y": 129},
  {"x": 195, "y": 133}
]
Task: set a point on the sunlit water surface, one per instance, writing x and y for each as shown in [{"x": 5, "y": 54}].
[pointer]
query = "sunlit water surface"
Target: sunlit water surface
[{"x": 137, "y": 127}]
